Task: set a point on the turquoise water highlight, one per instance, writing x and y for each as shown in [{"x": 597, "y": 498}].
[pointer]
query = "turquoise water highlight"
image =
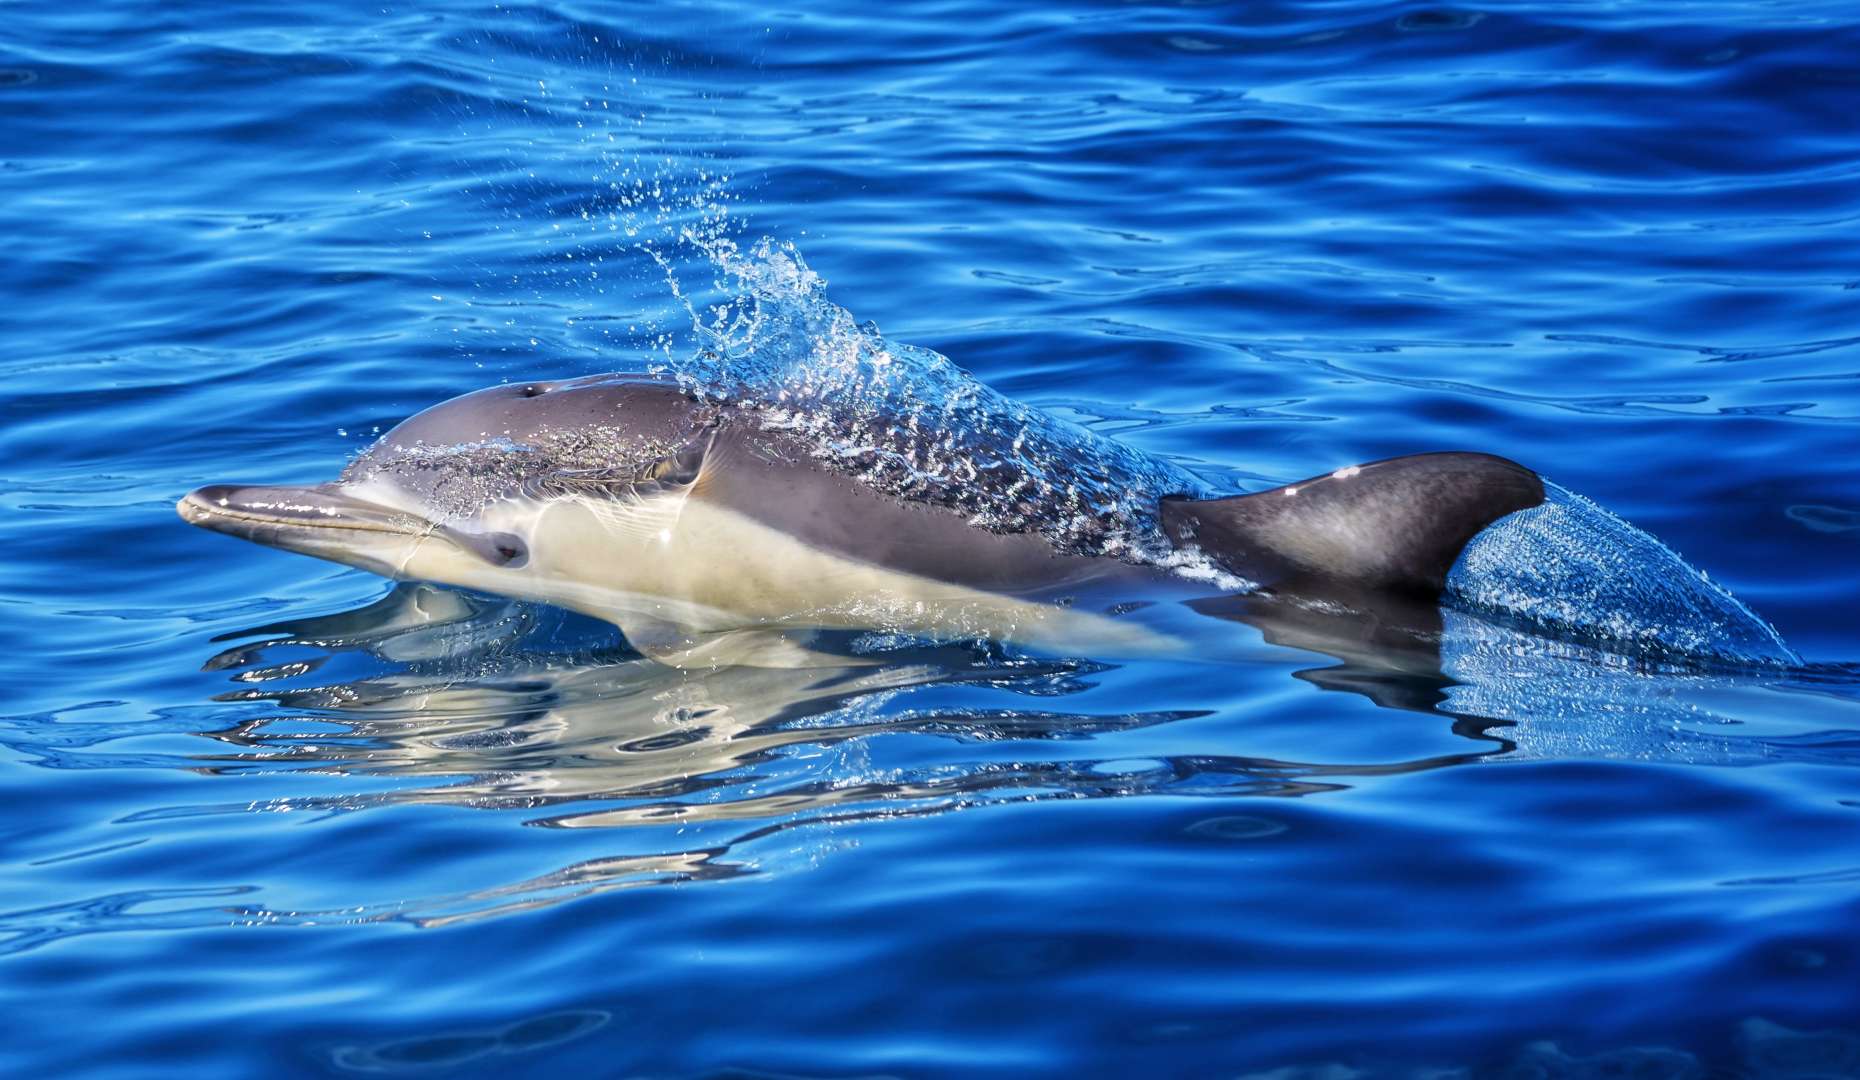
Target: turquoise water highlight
[{"x": 265, "y": 815}]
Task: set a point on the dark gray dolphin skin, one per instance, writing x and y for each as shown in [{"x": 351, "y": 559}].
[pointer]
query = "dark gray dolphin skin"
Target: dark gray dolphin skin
[
  {"x": 1393, "y": 526},
  {"x": 688, "y": 523}
]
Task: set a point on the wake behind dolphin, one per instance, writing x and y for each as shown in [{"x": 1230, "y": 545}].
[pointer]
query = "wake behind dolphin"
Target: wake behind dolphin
[{"x": 802, "y": 475}]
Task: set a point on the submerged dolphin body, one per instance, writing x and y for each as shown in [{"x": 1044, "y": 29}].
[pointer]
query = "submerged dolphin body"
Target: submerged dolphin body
[{"x": 714, "y": 533}]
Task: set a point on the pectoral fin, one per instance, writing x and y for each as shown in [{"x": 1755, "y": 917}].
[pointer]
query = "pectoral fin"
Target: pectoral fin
[{"x": 1396, "y": 525}]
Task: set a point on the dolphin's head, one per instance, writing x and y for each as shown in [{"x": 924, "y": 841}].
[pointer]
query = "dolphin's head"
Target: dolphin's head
[{"x": 458, "y": 494}]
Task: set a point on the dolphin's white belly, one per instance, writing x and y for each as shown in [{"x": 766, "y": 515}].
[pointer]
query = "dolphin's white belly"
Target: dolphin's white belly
[{"x": 690, "y": 566}]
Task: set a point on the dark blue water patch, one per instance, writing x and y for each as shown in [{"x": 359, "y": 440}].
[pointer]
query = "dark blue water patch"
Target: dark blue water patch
[{"x": 406, "y": 833}]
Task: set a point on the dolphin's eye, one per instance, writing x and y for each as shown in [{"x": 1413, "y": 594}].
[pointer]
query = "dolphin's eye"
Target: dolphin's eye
[
  {"x": 498, "y": 549},
  {"x": 532, "y": 391}
]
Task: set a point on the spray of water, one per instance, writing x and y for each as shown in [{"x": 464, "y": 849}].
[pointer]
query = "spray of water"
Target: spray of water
[
  {"x": 908, "y": 422},
  {"x": 1572, "y": 570}
]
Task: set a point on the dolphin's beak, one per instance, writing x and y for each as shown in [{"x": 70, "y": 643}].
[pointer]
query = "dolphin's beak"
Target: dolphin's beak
[
  {"x": 321, "y": 520},
  {"x": 269, "y": 513},
  {"x": 326, "y": 521}
]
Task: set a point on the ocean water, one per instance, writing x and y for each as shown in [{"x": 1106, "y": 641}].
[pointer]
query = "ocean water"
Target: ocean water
[{"x": 261, "y": 815}]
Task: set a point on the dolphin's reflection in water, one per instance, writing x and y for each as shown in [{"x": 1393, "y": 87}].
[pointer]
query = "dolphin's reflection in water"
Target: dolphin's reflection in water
[
  {"x": 465, "y": 701},
  {"x": 447, "y": 698},
  {"x": 495, "y": 723},
  {"x": 481, "y": 697}
]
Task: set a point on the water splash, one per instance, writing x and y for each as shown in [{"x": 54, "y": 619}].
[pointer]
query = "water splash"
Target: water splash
[
  {"x": 909, "y": 422},
  {"x": 1570, "y": 569}
]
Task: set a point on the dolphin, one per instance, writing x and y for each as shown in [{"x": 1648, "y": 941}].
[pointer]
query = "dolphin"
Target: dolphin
[{"x": 711, "y": 533}]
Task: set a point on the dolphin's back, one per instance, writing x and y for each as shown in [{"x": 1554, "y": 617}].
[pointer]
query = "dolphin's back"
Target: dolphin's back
[{"x": 763, "y": 476}]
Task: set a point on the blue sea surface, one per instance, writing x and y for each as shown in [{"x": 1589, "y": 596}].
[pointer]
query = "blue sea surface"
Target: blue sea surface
[{"x": 265, "y": 816}]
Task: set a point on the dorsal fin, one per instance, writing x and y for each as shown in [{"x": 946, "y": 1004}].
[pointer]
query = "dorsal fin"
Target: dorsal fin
[{"x": 1395, "y": 525}]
